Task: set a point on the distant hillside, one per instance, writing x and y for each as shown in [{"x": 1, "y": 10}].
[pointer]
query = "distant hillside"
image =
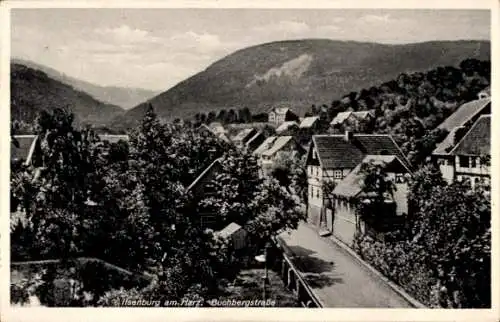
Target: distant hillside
[
  {"x": 121, "y": 96},
  {"x": 33, "y": 91},
  {"x": 300, "y": 73}
]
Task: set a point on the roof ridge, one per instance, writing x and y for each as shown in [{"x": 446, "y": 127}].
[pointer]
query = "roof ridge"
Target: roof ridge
[{"x": 198, "y": 178}]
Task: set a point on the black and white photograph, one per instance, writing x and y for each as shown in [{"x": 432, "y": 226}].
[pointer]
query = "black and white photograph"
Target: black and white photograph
[{"x": 250, "y": 158}]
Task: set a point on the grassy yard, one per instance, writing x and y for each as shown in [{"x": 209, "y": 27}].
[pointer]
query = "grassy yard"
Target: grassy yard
[{"x": 248, "y": 285}]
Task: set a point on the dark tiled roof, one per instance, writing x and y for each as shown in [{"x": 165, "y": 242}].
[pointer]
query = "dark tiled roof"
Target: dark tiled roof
[
  {"x": 335, "y": 152},
  {"x": 251, "y": 143},
  {"x": 477, "y": 141},
  {"x": 464, "y": 113},
  {"x": 26, "y": 143}
]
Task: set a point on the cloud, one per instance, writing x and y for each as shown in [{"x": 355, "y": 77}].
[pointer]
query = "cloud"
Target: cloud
[
  {"x": 202, "y": 42},
  {"x": 325, "y": 29},
  {"x": 376, "y": 18},
  {"x": 126, "y": 34},
  {"x": 292, "y": 27}
]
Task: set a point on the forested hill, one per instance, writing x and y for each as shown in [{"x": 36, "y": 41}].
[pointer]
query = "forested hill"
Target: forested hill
[
  {"x": 299, "y": 73},
  {"x": 125, "y": 97},
  {"x": 411, "y": 106},
  {"x": 33, "y": 91}
]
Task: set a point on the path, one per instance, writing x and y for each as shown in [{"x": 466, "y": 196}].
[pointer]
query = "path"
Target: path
[{"x": 336, "y": 277}]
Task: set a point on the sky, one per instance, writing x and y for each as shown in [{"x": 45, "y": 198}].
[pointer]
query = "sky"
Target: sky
[{"x": 157, "y": 48}]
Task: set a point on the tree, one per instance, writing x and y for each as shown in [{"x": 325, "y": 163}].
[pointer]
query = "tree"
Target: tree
[
  {"x": 290, "y": 172},
  {"x": 453, "y": 225},
  {"x": 58, "y": 210},
  {"x": 261, "y": 206},
  {"x": 244, "y": 115},
  {"x": 444, "y": 257}
]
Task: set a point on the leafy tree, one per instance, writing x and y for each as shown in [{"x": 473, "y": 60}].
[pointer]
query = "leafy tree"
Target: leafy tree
[
  {"x": 262, "y": 206},
  {"x": 244, "y": 115},
  {"x": 290, "y": 172},
  {"x": 444, "y": 258}
]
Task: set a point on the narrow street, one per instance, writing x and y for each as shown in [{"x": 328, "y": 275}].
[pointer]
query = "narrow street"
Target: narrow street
[{"x": 337, "y": 278}]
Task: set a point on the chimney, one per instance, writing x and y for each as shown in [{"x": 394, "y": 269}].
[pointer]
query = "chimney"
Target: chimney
[{"x": 348, "y": 136}]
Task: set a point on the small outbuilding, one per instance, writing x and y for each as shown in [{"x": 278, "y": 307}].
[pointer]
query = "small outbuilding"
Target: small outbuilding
[{"x": 236, "y": 233}]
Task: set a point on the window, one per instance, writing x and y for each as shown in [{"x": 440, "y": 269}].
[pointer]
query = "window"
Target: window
[
  {"x": 311, "y": 191},
  {"x": 473, "y": 162},
  {"x": 337, "y": 174},
  {"x": 317, "y": 193},
  {"x": 463, "y": 161}
]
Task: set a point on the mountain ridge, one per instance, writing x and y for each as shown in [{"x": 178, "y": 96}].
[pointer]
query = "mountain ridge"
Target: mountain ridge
[
  {"x": 33, "y": 90},
  {"x": 336, "y": 68},
  {"x": 125, "y": 97}
]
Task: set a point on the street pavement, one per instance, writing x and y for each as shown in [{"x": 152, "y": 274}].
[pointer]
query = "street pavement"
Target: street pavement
[{"x": 337, "y": 278}]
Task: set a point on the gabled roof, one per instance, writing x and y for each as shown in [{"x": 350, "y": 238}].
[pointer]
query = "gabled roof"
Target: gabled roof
[
  {"x": 464, "y": 113},
  {"x": 478, "y": 140},
  {"x": 228, "y": 230},
  {"x": 203, "y": 174},
  {"x": 454, "y": 122},
  {"x": 286, "y": 125},
  {"x": 352, "y": 184},
  {"x": 308, "y": 122},
  {"x": 27, "y": 144},
  {"x": 219, "y": 135},
  {"x": 112, "y": 138},
  {"x": 244, "y": 135},
  {"x": 364, "y": 114},
  {"x": 280, "y": 110},
  {"x": 217, "y": 127},
  {"x": 340, "y": 118},
  {"x": 253, "y": 138},
  {"x": 441, "y": 148},
  {"x": 335, "y": 152},
  {"x": 278, "y": 144},
  {"x": 266, "y": 145}
]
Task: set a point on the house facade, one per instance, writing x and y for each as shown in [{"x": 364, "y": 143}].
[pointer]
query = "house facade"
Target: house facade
[
  {"x": 345, "y": 223},
  {"x": 457, "y": 125},
  {"x": 472, "y": 154},
  {"x": 331, "y": 158},
  {"x": 278, "y": 115}
]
